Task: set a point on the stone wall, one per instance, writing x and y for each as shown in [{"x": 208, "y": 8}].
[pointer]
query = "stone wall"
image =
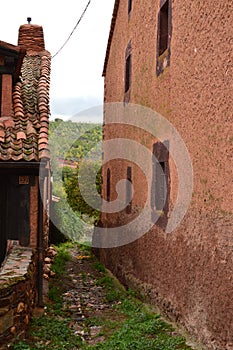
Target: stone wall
[{"x": 17, "y": 293}]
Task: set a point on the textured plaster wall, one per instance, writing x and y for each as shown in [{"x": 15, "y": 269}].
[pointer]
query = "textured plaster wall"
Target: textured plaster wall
[
  {"x": 6, "y": 103},
  {"x": 187, "y": 273}
]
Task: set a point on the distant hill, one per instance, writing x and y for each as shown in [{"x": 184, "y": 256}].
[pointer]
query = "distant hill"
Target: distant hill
[{"x": 72, "y": 141}]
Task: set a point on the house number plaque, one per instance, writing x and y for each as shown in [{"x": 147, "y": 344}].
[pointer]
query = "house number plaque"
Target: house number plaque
[{"x": 23, "y": 180}]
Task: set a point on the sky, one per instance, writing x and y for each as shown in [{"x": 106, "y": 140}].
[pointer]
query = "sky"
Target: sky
[{"x": 76, "y": 72}]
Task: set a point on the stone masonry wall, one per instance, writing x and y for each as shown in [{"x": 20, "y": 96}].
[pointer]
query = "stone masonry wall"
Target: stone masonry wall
[{"x": 17, "y": 293}]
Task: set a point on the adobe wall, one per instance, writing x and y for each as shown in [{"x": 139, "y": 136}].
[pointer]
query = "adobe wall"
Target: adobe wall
[{"x": 189, "y": 272}]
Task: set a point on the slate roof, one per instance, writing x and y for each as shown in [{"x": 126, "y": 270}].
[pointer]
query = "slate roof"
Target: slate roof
[{"x": 24, "y": 135}]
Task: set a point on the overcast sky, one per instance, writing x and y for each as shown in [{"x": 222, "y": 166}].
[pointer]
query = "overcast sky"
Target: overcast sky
[{"x": 76, "y": 77}]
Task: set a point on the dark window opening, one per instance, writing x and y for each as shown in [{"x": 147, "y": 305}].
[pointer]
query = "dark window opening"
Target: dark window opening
[
  {"x": 129, "y": 190},
  {"x": 160, "y": 186},
  {"x": 128, "y": 71},
  {"x": 164, "y": 36},
  {"x": 163, "y": 29},
  {"x": 108, "y": 184},
  {"x": 128, "y": 67},
  {"x": 129, "y": 6}
]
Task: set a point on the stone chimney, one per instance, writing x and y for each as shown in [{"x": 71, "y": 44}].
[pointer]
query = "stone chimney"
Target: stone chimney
[{"x": 31, "y": 37}]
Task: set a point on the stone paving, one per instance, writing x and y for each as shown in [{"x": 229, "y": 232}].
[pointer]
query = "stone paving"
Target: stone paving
[{"x": 85, "y": 298}]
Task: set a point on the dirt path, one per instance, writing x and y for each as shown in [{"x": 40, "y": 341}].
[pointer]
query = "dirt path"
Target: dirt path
[
  {"x": 91, "y": 310},
  {"x": 85, "y": 298}
]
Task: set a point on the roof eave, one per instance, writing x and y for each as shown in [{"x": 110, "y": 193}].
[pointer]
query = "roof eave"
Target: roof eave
[{"x": 112, "y": 27}]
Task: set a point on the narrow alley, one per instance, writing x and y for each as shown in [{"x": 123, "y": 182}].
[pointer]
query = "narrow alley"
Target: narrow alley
[{"x": 89, "y": 309}]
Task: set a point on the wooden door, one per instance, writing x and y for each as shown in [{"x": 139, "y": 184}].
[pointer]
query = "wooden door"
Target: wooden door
[{"x": 18, "y": 211}]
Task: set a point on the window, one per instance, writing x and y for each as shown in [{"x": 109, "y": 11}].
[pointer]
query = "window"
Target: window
[
  {"x": 160, "y": 190},
  {"x": 108, "y": 184},
  {"x": 129, "y": 6},
  {"x": 129, "y": 190},
  {"x": 160, "y": 183},
  {"x": 128, "y": 71},
  {"x": 164, "y": 36},
  {"x": 163, "y": 29}
]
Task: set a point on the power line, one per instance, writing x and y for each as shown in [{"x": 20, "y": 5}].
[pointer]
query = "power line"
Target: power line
[{"x": 76, "y": 25}]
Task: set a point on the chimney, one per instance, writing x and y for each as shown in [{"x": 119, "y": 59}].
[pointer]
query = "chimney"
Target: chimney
[{"x": 31, "y": 37}]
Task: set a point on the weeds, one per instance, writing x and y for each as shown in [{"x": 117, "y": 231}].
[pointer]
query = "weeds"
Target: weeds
[{"x": 128, "y": 323}]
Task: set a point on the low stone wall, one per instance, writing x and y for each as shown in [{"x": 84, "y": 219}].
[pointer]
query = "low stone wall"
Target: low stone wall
[{"x": 17, "y": 292}]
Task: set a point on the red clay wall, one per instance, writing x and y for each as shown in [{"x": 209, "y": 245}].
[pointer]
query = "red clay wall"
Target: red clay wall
[
  {"x": 6, "y": 103},
  {"x": 189, "y": 272}
]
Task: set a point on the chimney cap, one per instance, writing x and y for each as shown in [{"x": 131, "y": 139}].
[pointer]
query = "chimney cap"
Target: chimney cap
[{"x": 29, "y": 20}]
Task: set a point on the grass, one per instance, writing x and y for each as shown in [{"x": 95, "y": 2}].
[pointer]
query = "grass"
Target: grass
[
  {"x": 53, "y": 333},
  {"x": 128, "y": 324}
]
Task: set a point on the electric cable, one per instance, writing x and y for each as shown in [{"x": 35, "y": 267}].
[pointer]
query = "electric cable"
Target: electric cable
[{"x": 76, "y": 25}]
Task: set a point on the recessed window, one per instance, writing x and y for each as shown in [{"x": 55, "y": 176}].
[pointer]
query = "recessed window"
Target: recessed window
[
  {"x": 108, "y": 184},
  {"x": 129, "y": 190},
  {"x": 164, "y": 36},
  {"x": 128, "y": 71},
  {"x": 129, "y": 6},
  {"x": 160, "y": 183},
  {"x": 160, "y": 190},
  {"x": 128, "y": 65},
  {"x": 163, "y": 29}
]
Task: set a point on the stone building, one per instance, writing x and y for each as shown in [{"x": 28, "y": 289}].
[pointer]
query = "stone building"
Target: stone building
[
  {"x": 174, "y": 58},
  {"x": 24, "y": 175}
]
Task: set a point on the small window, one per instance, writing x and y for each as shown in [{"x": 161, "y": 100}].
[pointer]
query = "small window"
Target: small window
[
  {"x": 160, "y": 189},
  {"x": 129, "y": 190},
  {"x": 160, "y": 183},
  {"x": 129, "y": 6},
  {"x": 163, "y": 29},
  {"x": 128, "y": 71},
  {"x": 108, "y": 184},
  {"x": 164, "y": 36}
]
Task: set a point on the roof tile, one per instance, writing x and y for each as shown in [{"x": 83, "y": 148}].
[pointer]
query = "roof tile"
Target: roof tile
[{"x": 25, "y": 135}]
